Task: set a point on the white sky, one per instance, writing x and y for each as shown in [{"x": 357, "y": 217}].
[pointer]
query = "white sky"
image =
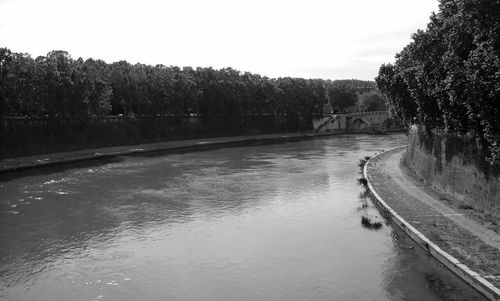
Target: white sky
[{"x": 332, "y": 39}]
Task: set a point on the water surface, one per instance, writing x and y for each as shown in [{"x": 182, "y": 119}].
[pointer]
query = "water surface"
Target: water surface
[{"x": 261, "y": 222}]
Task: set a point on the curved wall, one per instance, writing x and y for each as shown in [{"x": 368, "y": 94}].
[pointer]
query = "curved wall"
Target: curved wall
[{"x": 455, "y": 165}]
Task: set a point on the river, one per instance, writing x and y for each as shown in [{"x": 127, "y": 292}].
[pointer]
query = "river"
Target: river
[{"x": 261, "y": 222}]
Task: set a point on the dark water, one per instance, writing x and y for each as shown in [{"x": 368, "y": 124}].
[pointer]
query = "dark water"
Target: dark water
[{"x": 268, "y": 222}]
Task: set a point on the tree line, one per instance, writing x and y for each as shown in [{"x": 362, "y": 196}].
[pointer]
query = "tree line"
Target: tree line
[
  {"x": 448, "y": 77},
  {"x": 56, "y": 85}
]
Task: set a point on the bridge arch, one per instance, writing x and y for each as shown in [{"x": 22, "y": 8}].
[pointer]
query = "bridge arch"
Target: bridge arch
[
  {"x": 376, "y": 121},
  {"x": 388, "y": 123},
  {"x": 359, "y": 123}
]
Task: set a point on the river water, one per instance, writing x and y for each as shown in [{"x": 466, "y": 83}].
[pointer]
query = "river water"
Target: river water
[{"x": 260, "y": 222}]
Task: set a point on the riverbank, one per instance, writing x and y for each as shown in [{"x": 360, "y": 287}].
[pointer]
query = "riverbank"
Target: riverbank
[
  {"x": 143, "y": 218},
  {"x": 466, "y": 242},
  {"x": 22, "y": 163}
]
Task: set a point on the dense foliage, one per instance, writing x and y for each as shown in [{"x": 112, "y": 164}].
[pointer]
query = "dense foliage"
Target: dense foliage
[
  {"x": 372, "y": 101},
  {"x": 58, "y": 86},
  {"x": 448, "y": 77}
]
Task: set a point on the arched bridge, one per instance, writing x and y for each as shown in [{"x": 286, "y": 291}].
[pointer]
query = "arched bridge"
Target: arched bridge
[{"x": 375, "y": 121}]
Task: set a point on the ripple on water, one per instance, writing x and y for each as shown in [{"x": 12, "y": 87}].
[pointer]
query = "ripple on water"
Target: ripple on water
[
  {"x": 59, "y": 181},
  {"x": 262, "y": 222},
  {"x": 61, "y": 192}
]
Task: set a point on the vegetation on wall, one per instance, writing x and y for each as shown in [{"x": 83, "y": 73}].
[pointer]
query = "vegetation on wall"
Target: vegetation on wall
[{"x": 448, "y": 77}]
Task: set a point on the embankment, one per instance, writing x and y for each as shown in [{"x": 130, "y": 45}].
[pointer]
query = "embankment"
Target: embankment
[
  {"x": 456, "y": 166},
  {"x": 22, "y": 136}
]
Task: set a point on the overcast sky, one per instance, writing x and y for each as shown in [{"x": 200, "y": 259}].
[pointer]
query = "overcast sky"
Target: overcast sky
[{"x": 330, "y": 39}]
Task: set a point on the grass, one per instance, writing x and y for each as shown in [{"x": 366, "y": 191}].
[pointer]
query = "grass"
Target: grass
[
  {"x": 362, "y": 181},
  {"x": 362, "y": 162},
  {"x": 365, "y": 194},
  {"x": 367, "y": 223}
]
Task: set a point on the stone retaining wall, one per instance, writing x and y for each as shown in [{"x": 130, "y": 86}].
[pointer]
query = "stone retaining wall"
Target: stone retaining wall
[{"x": 456, "y": 166}]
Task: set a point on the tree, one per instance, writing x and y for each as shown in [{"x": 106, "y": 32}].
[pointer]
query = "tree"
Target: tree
[
  {"x": 342, "y": 97},
  {"x": 372, "y": 101},
  {"x": 449, "y": 75},
  {"x": 98, "y": 91}
]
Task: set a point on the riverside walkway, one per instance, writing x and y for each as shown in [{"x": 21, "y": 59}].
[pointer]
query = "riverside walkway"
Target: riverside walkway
[{"x": 471, "y": 237}]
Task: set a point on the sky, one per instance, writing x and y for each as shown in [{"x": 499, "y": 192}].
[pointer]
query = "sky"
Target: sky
[{"x": 329, "y": 39}]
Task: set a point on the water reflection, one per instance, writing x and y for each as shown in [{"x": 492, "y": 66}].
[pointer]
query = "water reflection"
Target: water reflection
[{"x": 272, "y": 222}]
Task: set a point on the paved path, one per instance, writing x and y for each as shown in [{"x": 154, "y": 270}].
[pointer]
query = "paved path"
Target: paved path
[
  {"x": 12, "y": 164},
  {"x": 454, "y": 231},
  {"x": 419, "y": 191}
]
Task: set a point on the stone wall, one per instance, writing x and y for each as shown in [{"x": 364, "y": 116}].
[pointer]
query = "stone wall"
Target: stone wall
[
  {"x": 457, "y": 166},
  {"x": 359, "y": 122},
  {"x": 20, "y": 136},
  {"x": 329, "y": 124}
]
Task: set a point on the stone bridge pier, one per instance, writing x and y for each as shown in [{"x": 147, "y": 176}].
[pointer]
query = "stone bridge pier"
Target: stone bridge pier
[{"x": 373, "y": 122}]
